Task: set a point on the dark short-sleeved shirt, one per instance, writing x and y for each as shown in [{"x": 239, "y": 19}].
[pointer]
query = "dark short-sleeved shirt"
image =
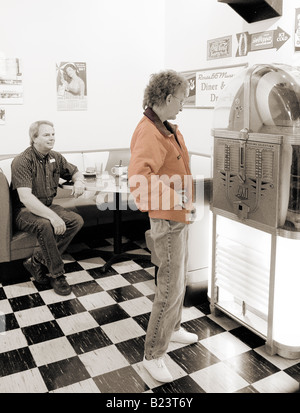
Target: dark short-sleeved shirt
[{"x": 41, "y": 173}]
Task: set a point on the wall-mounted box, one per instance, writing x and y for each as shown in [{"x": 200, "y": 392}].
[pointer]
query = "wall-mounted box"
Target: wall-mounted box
[{"x": 255, "y": 10}]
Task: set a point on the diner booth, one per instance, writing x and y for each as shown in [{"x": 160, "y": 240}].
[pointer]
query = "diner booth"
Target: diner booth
[{"x": 255, "y": 275}]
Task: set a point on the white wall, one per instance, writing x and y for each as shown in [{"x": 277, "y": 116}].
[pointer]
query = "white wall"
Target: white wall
[
  {"x": 122, "y": 43},
  {"x": 188, "y": 27}
]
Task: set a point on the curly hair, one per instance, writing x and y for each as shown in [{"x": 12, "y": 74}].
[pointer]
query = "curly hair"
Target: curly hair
[
  {"x": 34, "y": 129},
  {"x": 161, "y": 85}
]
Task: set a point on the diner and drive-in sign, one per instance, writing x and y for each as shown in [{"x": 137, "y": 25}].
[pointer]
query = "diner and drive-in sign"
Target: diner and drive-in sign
[{"x": 207, "y": 84}]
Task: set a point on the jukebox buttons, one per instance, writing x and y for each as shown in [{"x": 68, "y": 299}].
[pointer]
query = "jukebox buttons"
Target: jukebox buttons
[
  {"x": 227, "y": 158},
  {"x": 258, "y": 164}
]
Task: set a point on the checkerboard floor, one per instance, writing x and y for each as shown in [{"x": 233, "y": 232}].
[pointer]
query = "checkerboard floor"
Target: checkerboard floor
[{"x": 92, "y": 340}]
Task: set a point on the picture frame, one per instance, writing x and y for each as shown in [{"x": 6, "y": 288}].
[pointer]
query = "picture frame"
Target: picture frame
[{"x": 219, "y": 48}]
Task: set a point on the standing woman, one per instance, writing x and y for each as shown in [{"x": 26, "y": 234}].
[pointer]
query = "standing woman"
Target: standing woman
[{"x": 161, "y": 183}]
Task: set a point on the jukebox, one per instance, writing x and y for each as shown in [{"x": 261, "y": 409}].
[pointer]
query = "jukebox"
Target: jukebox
[{"x": 256, "y": 205}]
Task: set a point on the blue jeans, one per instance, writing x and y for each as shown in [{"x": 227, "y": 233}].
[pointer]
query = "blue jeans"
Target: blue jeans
[
  {"x": 51, "y": 246},
  {"x": 171, "y": 247}
]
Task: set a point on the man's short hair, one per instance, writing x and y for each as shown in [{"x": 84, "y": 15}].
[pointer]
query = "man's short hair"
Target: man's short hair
[{"x": 35, "y": 127}]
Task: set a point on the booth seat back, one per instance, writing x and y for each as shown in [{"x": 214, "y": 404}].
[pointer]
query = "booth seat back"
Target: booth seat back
[
  {"x": 108, "y": 158},
  {"x": 83, "y": 160},
  {"x": 5, "y": 219},
  {"x": 5, "y": 167},
  {"x": 13, "y": 245}
]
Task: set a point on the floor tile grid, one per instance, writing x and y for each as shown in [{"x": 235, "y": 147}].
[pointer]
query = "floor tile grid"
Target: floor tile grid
[{"x": 92, "y": 340}]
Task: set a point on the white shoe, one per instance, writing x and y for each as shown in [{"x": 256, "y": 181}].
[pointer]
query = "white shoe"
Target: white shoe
[
  {"x": 158, "y": 369},
  {"x": 182, "y": 336}
]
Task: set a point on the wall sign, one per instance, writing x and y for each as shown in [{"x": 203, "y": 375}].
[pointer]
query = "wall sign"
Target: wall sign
[
  {"x": 219, "y": 48},
  {"x": 297, "y": 30},
  {"x": 260, "y": 41},
  {"x": 11, "y": 81},
  {"x": 207, "y": 84},
  {"x": 71, "y": 85}
]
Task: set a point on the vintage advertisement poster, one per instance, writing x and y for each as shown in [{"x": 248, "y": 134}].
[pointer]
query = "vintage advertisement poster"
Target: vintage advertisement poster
[
  {"x": 254, "y": 42},
  {"x": 11, "y": 83},
  {"x": 297, "y": 30},
  {"x": 191, "y": 78},
  {"x": 71, "y": 86},
  {"x": 207, "y": 84},
  {"x": 219, "y": 48}
]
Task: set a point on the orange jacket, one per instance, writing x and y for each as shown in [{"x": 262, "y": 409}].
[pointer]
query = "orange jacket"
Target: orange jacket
[{"x": 159, "y": 169}]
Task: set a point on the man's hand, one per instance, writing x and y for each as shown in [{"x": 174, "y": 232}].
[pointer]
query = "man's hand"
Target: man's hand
[
  {"x": 38, "y": 208},
  {"x": 78, "y": 188},
  {"x": 59, "y": 225}
]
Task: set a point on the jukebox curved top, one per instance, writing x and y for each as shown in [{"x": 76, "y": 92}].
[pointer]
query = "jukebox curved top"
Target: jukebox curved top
[{"x": 262, "y": 99}]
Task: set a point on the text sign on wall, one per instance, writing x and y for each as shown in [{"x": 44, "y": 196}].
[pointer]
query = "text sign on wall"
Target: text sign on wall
[
  {"x": 206, "y": 85},
  {"x": 219, "y": 48},
  {"x": 270, "y": 39}
]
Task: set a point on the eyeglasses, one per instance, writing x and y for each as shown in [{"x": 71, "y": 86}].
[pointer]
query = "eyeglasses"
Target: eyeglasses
[{"x": 181, "y": 102}]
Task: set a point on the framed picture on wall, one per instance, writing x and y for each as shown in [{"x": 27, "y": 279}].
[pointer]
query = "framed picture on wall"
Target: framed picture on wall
[
  {"x": 11, "y": 82},
  {"x": 71, "y": 86},
  {"x": 219, "y": 48},
  {"x": 207, "y": 84},
  {"x": 297, "y": 30},
  {"x": 191, "y": 78}
]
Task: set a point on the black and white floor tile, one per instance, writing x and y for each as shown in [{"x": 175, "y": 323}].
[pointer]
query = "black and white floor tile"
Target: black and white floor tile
[{"x": 92, "y": 340}]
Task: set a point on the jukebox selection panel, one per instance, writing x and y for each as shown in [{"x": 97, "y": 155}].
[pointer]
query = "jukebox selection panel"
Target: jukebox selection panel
[{"x": 245, "y": 179}]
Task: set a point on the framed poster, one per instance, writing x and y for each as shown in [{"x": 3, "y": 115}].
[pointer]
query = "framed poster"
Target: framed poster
[
  {"x": 297, "y": 31},
  {"x": 71, "y": 85},
  {"x": 207, "y": 84},
  {"x": 11, "y": 82},
  {"x": 219, "y": 48}
]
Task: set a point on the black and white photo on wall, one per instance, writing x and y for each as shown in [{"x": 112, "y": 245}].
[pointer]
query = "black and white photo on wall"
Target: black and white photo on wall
[{"x": 71, "y": 85}]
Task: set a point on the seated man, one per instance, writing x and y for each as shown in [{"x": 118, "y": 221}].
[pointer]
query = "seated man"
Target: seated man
[{"x": 34, "y": 180}]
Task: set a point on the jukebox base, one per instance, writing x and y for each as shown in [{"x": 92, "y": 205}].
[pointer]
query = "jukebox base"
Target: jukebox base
[{"x": 256, "y": 281}]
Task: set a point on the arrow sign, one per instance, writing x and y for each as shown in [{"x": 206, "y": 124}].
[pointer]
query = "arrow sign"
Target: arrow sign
[{"x": 260, "y": 41}]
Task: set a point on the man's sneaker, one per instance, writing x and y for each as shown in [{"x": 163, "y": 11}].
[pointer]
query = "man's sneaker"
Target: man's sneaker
[
  {"x": 158, "y": 369},
  {"x": 182, "y": 336},
  {"x": 36, "y": 270},
  {"x": 60, "y": 285}
]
